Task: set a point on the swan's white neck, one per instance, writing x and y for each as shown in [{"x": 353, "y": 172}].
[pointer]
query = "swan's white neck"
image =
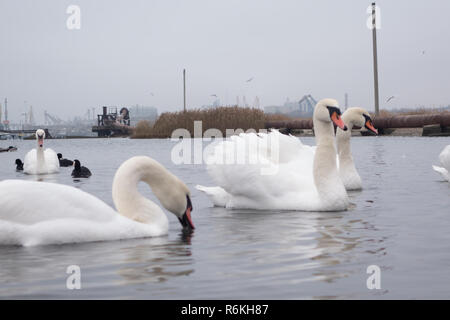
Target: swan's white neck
[
  {"x": 343, "y": 141},
  {"x": 347, "y": 169},
  {"x": 127, "y": 199},
  {"x": 170, "y": 191},
  {"x": 325, "y": 156},
  {"x": 326, "y": 176},
  {"x": 40, "y": 158}
]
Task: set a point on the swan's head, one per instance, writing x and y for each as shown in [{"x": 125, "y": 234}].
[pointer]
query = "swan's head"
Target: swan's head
[
  {"x": 176, "y": 199},
  {"x": 172, "y": 193},
  {"x": 185, "y": 218},
  {"x": 359, "y": 117},
  {"x": 327, "y": 110},
  {"x": 40, "y": 136}
]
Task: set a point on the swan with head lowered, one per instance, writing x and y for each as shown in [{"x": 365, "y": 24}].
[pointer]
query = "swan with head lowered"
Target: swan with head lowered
[
  {"x": 40, "y": 161},
  {"x": 444, "y": 158},
  {"x": 55, "y": 213},
  {"x": 352, "y": 117},
  {"x": 304, "y": 178}
]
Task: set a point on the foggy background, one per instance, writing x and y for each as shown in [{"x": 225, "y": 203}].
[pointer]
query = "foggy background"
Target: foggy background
[{"x": 133, "y": 52}]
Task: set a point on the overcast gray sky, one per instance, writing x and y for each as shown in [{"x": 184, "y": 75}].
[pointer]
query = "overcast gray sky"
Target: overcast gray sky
[{"x": 126, "y": 50}]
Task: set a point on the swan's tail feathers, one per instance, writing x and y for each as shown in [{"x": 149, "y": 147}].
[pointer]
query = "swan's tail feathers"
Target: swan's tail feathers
[
  {"x": 217, "y": 195},
  {"x": 443, "y": 172}
]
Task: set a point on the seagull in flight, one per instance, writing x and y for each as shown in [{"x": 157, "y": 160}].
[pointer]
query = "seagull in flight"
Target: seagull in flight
[
  {"x": 390, "y": 98},
  {"x": 214, "y": 95},
  {"x": 249, "y": 79}
]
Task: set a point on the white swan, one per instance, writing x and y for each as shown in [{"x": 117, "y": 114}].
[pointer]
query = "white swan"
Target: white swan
[
  {"x": 38, "y": 161},
  {"x": 352, "y": 117},
  {"x": 444, "y": 158},
  {"x": 304, "y": 179},
  {"x": 55, "y": 213}
]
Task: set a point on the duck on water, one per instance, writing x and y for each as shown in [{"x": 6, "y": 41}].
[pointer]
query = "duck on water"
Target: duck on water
[
  {"x": 64, "y": 162},
  {"x": 19, "y": 165},
  {"x": 80, "y": 171},
  {"x": 9, "y": 149}
]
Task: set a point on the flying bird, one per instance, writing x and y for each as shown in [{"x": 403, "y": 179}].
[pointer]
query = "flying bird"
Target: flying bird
[
  {"x": 214, "y": 95},
  {"x": 390, "y": 98},
  {"x": 249, "y": 79}
]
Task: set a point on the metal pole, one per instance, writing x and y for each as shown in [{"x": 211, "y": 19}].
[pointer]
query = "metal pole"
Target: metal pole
[
  {"x": 184, "y": 89},
  {"x": 6, "y": 109},
  {"x": 375, "y": 59}
]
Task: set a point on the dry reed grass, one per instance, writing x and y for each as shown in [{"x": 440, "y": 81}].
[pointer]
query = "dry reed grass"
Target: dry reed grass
[{"x": 220, "y": 118}]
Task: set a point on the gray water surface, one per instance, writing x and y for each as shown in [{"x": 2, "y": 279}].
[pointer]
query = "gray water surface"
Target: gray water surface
[{"x": 399, "y": 222}]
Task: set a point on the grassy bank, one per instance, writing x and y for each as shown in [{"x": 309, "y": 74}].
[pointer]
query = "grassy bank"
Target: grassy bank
[{"x": 221, "y": 118}]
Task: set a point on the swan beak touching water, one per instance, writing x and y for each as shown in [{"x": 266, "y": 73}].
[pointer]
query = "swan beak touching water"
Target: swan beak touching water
[
  {"x": 40, "y": 135},
  {"x": 335, "y": 115},
  {"x": 186, "y": 220},
  {"x": 369, "y": 124}
]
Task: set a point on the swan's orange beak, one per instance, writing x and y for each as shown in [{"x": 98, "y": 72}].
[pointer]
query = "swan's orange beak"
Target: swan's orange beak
[
  {"x": 186, "y": 220},
  {"x": 188, "y": 216},
  {"x": 369, "y": 126},
  {"x": 337, "y": 120}
]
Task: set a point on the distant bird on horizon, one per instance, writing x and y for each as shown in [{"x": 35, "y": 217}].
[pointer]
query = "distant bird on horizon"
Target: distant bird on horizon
[
  {"x": 214, "y": 95},
  {"x": 390, "y": 98},
  {"x": 249, "y": 79}
]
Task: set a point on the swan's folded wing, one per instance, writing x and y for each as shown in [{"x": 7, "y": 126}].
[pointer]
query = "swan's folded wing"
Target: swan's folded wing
[
  {"x": 51, "y": 160},
  {"x": 444, "y": 172},
  {"x": 218, "y": 196},
  {"x": 29, "y": 202},
  {"x": 262, "y": 168},
  {"x": 444, "y": 157},
  {"x": 38, "y": 213},
  {"x": 29, "y": 163}
]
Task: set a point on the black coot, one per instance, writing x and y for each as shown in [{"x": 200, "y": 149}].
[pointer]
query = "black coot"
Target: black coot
[
  {"x": 19, "y": 165},
  {"x": 79, "y": 171},
  {"x": 64, "y": 162}
]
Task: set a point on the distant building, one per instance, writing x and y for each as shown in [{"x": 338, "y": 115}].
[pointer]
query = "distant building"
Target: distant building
[
  {"x": 215, "y": 104},
  {"x": 302, "y": 108},
  {"x": 139, "y": 113}
]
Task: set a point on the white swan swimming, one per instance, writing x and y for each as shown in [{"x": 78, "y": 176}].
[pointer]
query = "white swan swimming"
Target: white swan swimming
[
  {"x": 352, "y": 117},
  {"x": 40, "y": 161},
  {"x": 306, "y": 178},
  {"x": 444, "y": 158},
  {"x": 55, "y": 213}
]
